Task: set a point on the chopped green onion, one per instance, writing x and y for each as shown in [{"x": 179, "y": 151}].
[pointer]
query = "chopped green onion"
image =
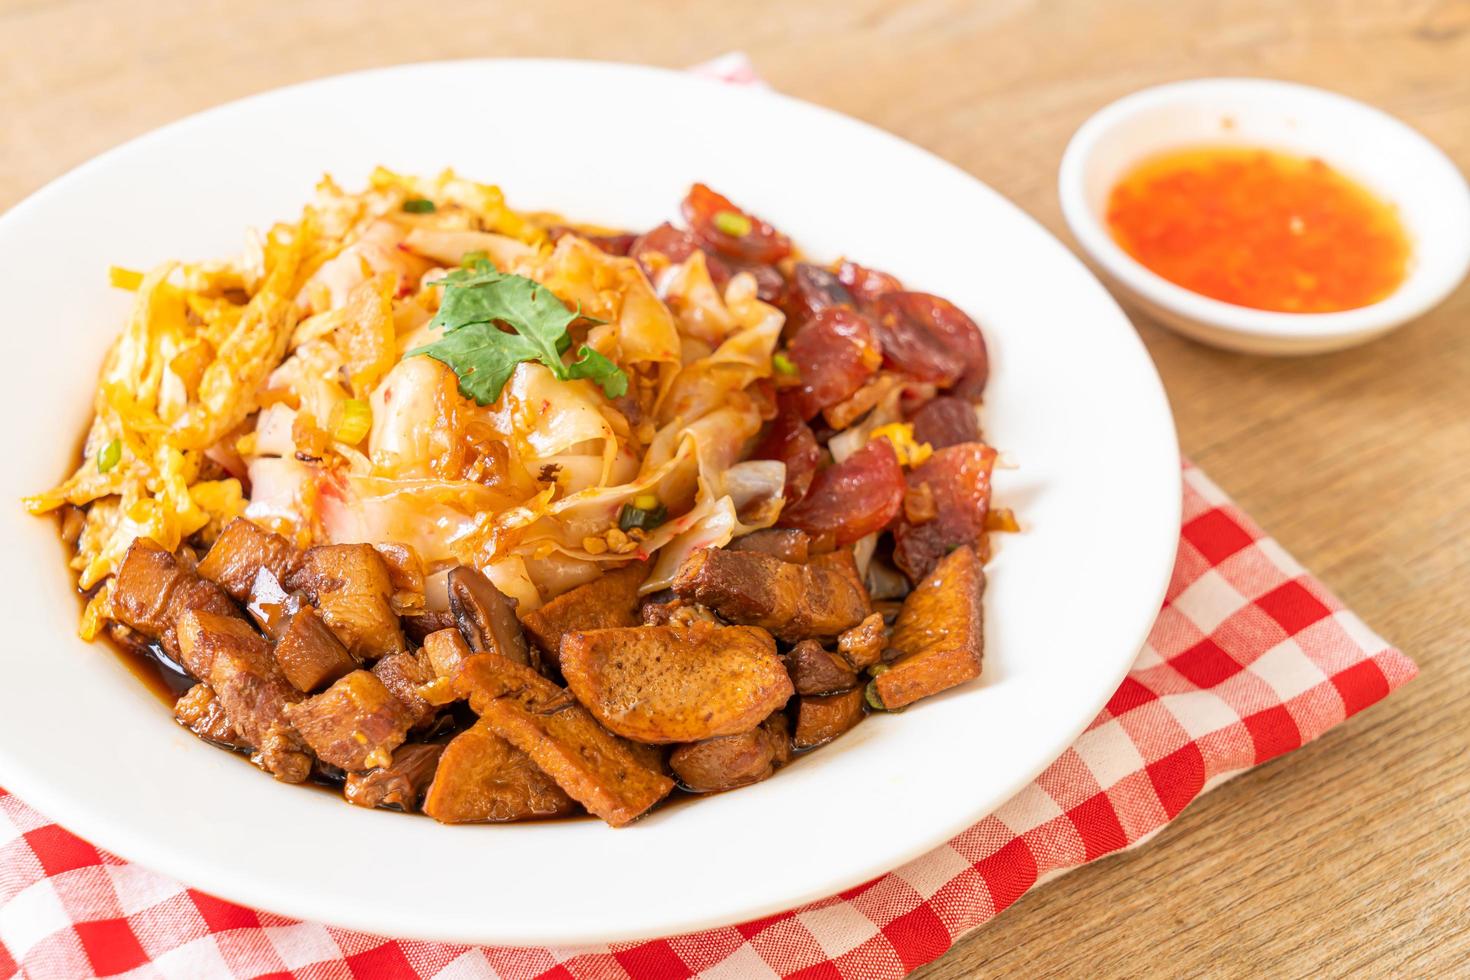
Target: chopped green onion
[
  {"x": 732, "y": 223},
  {"x": 871, "y": 695},
  {"x": 645, "y": 519},
  {"x": 110, "y": 455},
  {"x": 419, "y": 205},
  {"x": 351, "y": 420},
  {"x": 784, "y": 365}
]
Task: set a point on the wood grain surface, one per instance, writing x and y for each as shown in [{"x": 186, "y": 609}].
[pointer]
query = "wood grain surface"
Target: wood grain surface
[{"x": 1351, "y": 856}]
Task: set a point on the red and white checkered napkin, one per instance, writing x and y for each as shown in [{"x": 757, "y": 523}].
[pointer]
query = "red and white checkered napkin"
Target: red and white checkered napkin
[{"x": 1250, "y": 658}]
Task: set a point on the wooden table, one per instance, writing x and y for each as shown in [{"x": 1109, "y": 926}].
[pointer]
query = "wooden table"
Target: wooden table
[{"x": 1350, "y": 855}]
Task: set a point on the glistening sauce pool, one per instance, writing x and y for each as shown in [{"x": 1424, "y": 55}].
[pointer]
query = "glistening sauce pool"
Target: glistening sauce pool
[{"x": 1260, "y": 228}]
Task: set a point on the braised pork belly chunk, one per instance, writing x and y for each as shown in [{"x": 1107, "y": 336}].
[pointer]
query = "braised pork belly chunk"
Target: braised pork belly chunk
[
  {"x": 401, "y": 784},
  {"x": 793, "y": 602},
  {"x": 309, "y": 653},
  {"x": 241, "y": 551},
  {"x": 355, "y": 724},
  {"x": 495, "y": 517},
  {"x": 351, "y": 586},
  {"x": 410, "y": 678},
  {"x": 200, "y": 711},
  {"x": 785, "y": 543},
  {"x": 732, "y": 761},
  {"x": 820, "y": 719},
  {"x": 235, "y": 661},
  {"x": 814, "y": 670},
  {"x": 862, "y": 646},
  {"x": 152, "y": 589}
]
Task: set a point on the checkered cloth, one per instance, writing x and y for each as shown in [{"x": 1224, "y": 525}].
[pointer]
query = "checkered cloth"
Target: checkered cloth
[{"x": 1250, "y": 658}]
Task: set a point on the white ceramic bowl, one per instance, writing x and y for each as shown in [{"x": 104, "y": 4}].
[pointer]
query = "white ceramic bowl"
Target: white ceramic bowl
[
  {"x": 1385, "y": 155},
  {"x": 1073, "y": 397}
]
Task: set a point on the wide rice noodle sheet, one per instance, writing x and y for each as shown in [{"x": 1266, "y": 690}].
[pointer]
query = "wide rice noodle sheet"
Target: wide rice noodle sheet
[{"x": 286, "y": 369}]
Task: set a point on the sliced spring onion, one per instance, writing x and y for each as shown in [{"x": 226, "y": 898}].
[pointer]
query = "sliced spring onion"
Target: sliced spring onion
[
  {"x": 352, "y": 419},
  {"x": 645, "y": 519},
  {"x": 732, "y": 223},
  {"x": 419, "y": 205},
  {"x": 784, "y": 365},
  {"x": 110, "y": 456}
]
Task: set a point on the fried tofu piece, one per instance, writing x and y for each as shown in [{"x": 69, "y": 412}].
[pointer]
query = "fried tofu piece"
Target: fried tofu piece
[
  {"x": 236, "y": 663},
  {"x": 666, "y": 684},
  {"x": 485, "y": 615},
  {"x": 939, "y": 634},
  {"x": 730, "y": 761},
  {"x": 355, "y": 724},
  {"x": 152, "y": 590},
  {"x": 794, "y": 602},
  {"x": 607, "y": 601},
  {"x": 241, "y": 551},
  {"x": 352, "y": 587},
  {"x": 482, "y": 778},
  {"x": 200, "y": 711},
  {"x": 592, "y": 765},
  {"x": 786, "y": 543},
  {"x": 309, "y": 653},
  {"x": 863, "y": 645},
  {"x": 814, "y": 670},
  {"x": 399, "y": 785},
  {"x": 822, "y": 718}
]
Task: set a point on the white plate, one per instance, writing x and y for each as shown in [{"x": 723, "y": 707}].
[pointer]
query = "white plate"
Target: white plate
[{"x": 1074, "y": 399}]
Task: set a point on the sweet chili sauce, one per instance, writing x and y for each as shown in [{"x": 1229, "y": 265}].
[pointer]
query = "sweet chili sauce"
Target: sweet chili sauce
[{"x": 1260, "y": 228}]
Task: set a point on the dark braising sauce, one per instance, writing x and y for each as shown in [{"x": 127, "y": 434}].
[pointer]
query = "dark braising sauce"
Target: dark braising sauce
[{"x": 158, "y": 672}]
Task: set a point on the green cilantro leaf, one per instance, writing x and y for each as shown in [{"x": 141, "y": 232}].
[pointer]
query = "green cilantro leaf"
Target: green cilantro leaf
[
  {"x": 592, "y": 365},
  {"x": 477, "y": 301}
]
